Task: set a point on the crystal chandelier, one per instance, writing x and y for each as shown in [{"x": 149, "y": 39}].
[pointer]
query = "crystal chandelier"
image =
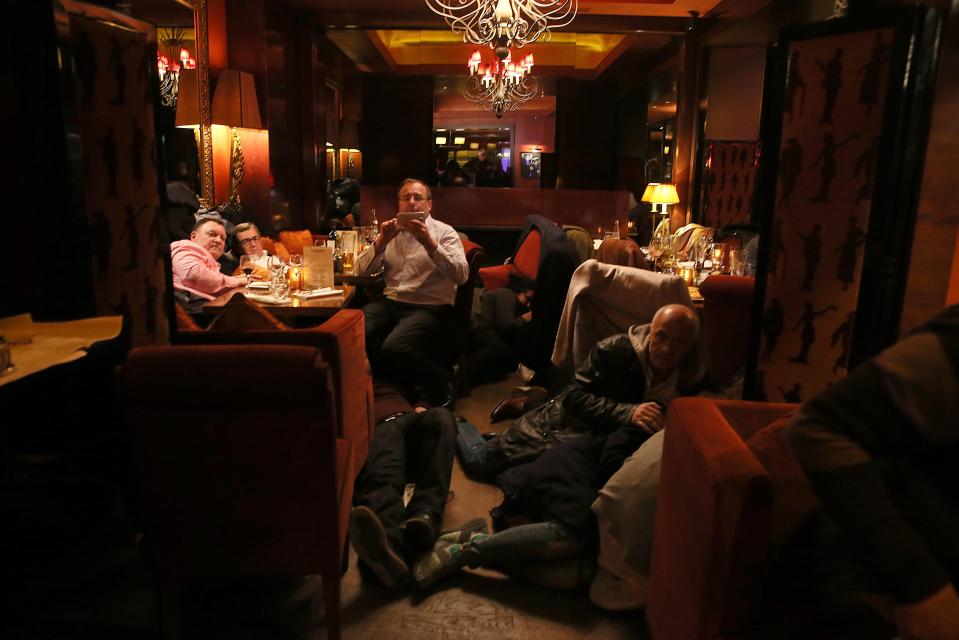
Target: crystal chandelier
[
  {"x": 170, "y": 69},
  {"x": 503, "y": 24},
  {"x": 501, "y": 85}
]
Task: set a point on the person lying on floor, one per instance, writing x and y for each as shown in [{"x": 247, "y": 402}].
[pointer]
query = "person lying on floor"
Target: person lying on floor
[
  {"x": 409, "y": 446},
  {"x": 627, "y": 381},
  {"x": 554, "y": 492}
]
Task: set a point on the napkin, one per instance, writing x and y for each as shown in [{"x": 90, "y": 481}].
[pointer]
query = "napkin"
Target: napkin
[
  {"x": 326, "y": 291},
  {"x": 259, "y": 285},
  {"x": 265, "y": 298}
]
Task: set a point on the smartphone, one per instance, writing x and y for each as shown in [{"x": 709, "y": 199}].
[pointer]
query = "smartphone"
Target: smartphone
[{"x": 405, "y": 216}]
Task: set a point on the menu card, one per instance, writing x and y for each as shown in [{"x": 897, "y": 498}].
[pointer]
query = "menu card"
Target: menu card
[{"x": 317, "y": 267}]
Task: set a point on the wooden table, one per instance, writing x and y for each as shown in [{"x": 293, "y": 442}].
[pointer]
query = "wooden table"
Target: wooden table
[{"x": 312, "y": 308}]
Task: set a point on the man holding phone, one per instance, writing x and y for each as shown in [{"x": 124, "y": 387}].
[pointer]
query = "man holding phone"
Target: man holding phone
[{"x": 423, "y": 262}]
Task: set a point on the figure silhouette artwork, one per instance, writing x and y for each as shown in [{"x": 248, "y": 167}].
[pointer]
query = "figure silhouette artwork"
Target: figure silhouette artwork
[
  {"x": 808, "y": 336},
  {"x": 85, "y": 61},
  {"x": 132, "y": 235},
  {"x": 871, "y": 73},
  {"x": 108, "y": 152},
  {"x": 101, "y": 243},
  {"x": 866, "y": 163},
  {"x": 812, "y": 254},
  {"x": 827, "y": 156},
  {"x": 848, "y": 252},
  {"x": 150, "y": 307},
  {"x": 777, "y": 248},
  {"x": 831, "y": 84},
  {"x": 843, "y": 335},
  {"x": 739, "y": 204},
  {"x": 746, "y": 182},
  {"x": 722, "y": 181},
  {"x": 790, "y": 166},
  {"x": 116, "y": 63},
  {"x": 136, "y": 152},
  {"x": 719, "y": 205},
  {"x": 772, "y": 326},
  {"x": 742, "y": 157},
  {"x": 794, "y": 83},
  {"x": 730, "y": 201},
  {"x": 792, "y": 395},
  {"x": 734, "y": 183}
]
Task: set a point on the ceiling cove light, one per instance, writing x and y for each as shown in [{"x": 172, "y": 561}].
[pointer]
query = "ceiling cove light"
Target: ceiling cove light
[{"x": 503, "y": 24}]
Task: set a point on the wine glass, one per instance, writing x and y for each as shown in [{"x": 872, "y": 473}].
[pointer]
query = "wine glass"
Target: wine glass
[{"x": 247, "y": 264}]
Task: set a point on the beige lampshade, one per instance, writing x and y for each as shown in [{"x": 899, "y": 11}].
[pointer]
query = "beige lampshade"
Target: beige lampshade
[
  {"x": 660, "y": 193},
  {"x": 188, "y": 99},
  {"x": 234, "y": 100}
]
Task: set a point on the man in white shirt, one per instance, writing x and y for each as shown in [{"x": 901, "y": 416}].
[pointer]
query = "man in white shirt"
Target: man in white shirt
[
  {"x": 424, "y": 263},
  {"x": 247, "y": 237}
]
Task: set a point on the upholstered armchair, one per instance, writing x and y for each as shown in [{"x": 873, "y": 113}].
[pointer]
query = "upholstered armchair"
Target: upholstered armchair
[
  {"x": 727, "y": 324},
  {"x": 241, "y": 469},
  {"x": 729, "y": 490},
  {"x": 342, "y": 342},
  {"x": 533, "y": 242}
]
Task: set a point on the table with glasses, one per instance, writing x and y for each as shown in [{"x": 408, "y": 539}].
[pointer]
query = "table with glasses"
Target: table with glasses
[{"x": 293, "y": 307}]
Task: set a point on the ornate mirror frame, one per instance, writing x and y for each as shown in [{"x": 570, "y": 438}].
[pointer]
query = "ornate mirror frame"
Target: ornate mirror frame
[{"x": 205, "y": 142}]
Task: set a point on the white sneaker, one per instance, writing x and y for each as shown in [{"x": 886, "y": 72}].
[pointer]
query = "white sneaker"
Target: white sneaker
[{"x": 525, "y": 373}]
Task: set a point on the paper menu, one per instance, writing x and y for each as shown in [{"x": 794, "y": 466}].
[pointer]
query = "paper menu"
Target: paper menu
[{"x": 317, "y": 267}]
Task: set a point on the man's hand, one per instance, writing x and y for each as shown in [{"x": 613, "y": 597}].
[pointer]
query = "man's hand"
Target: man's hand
[
  {"x": 388, "y": 231},
  {"x": 418, "y": 229},
  {"x": 648, "y": 416},
  {"x": 935, "y": 618}
]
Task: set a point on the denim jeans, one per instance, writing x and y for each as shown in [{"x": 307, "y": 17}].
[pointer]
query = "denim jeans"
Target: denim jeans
[
  {"x": 480, "y": 457},
  {"x": 522, "y": 544}
]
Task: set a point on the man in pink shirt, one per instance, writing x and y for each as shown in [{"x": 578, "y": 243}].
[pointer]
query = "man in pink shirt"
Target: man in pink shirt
[{"x": 196, "y": 272}]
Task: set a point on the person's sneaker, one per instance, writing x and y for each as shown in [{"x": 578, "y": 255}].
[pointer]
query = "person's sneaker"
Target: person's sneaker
[
  {"x": 445, "y": 559},
  {"x": 419, "y": 533},
  {"x": 464, "y": 532},
  {"x": 368, "y": 536}
]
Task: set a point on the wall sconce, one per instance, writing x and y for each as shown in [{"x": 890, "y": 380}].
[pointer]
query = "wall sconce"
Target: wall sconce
[{"x": 235, "y": 105}]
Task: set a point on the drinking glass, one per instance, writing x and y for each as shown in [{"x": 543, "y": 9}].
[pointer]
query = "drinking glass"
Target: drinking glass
[
  {"x": 280, "y": 288},
  {"x": 247, "y": 265},
  {"x": 296, "y": 260}
]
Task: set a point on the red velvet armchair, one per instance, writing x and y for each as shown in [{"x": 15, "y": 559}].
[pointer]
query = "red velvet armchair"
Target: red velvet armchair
[
  {"x": 241, "y": 469},
  {"x": 538, "y": 233},
  {"x": 729, "y": 489},
  {"x": 727, "y": 323},
  {"x": 342, "y": 341}
]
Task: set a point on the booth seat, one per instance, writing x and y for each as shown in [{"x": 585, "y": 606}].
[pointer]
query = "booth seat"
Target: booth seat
[
  {"x": 242, "y": 469},
  {"x": 342, "y": 342},
  {"x": 729, "y": 490}
]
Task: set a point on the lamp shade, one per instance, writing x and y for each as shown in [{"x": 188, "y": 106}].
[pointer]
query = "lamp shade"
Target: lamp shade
[
  {"x": 234, "y": 100},
  {"x": 188, "y": 99},
  {"x": 660, "y": 193}
]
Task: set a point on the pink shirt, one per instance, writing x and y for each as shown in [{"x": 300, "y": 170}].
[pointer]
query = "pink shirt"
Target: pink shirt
[{"x": 196, "y": 271}]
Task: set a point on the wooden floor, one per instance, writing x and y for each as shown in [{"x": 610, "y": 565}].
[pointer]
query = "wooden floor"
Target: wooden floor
[{"x": 478, "y": 604}]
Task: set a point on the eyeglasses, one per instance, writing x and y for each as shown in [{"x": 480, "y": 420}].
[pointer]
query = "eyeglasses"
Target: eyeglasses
[
  {"x": 415, "y": 197},
  {"x": 248, "y": 241}
]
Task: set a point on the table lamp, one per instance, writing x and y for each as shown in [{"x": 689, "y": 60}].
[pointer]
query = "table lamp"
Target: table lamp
[
  {"x": 234, "y": 105},
  {"x": 664, "y": 194}
]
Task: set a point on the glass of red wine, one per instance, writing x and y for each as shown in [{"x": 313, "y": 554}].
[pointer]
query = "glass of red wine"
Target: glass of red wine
[{"x": 246, "y": 265}]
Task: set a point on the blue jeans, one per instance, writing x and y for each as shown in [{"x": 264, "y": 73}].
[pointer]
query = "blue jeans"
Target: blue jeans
[
  {"x": 480, "y": 457},
  {"x": 522, "y": 544}
]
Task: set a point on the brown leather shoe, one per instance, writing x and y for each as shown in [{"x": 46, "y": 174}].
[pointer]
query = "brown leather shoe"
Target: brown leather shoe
[
  {"x": 534, "y": 396},
  {"x": 507, "y": 409}
]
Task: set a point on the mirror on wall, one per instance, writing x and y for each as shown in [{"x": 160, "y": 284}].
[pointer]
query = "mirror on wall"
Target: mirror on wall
[
  {"x": 183, "y": 111},
  {"x": 472, "y": 157}
]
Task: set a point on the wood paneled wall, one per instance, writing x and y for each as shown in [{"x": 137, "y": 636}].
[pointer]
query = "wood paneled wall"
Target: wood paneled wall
[
  {"x": 585, "y": 138},
  {"x": 395, "y": 135}
]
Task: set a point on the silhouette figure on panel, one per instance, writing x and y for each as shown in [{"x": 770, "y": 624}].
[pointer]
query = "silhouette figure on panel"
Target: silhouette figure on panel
[
  {"x": 777, "y": 248},
  {"x": 730, "y": 201},
  {"x": 722, "y": 158},
  {"x": 735, "y": 182},
  {"x": 871, "y": 73},
  {"x": 831, "y": 83},
  {"x": 790, "y": 166},
  {"x": 156, "y": 237},
  {"x": 132, "y": 235},
  {"x": 722, "y": 181},
  {"x": 746, "y": 183},
  {"x": 866, "y": 163},
  {"x": 812, "y": 253},
  {"x": 772, "y": 326},
  {"x": 116, "y": 63},
  {"x": 101, "y": 243},
  {"x": 848, "y": 252},
  {"x": 108, "y": 152},
  {"x": 828, "y": 158},
  {"x": 843, "y": 335},
  {"x": 136, "y": 152},
  {"x": 794, "y": 83},
  {"x": 719, "y": 207},
  {"x": 149, "y": 308},
  {"x": 792, "y": 395},
  {"x": 808, "y": 335},
  {"x": 739, "y": 204},
  {"x": 85, "y": 61},
  {"x": 742, "y": 157}
]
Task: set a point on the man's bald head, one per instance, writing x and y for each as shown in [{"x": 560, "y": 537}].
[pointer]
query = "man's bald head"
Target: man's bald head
[{"x": 672, "y": 335}]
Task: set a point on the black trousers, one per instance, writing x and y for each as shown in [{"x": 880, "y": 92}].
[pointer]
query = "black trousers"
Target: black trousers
[
  {"x": 413, "y": 448},
  {"x": 409, "y": 342}
]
